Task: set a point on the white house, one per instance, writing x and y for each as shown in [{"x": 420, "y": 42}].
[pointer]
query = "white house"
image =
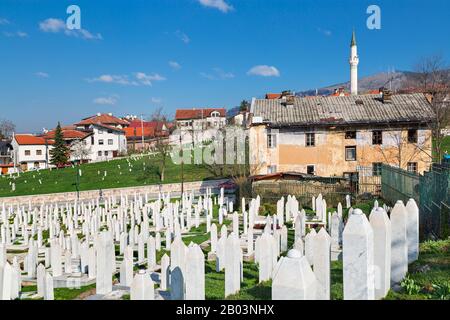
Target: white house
[
  {"x": 31, "y": 152},
  {"x": 105, "y": 142},
  {"x": 198, "y": 125}
]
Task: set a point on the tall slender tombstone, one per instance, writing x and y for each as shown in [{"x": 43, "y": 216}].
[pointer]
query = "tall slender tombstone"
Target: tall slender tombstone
[
  {"x": 309, "y": 246},
  {"x": 265, "y": 257},
  {"x": 284, "y": 239},
  {"x": 40, "y": 280},
  {"x": 55, "y": 258},
  {"x": 165, "y": 272},
  {"x": 250, "y": 242},
  {"x": 142, "y": 287},
  {"x": 232, "y": 265},
  {"x": 49, "y": 292},
  {"x": 213, "y": 231},
  {"x": 92, "y": 259},
  {"x": 412, "y": 230},
  {"x": 141, "y": 248},
  {"x": 359, "y": 283},
  {"x": 195, "y": 273},
  {"x": 5, "y": 281},
  {"x": 298, "y": 228},
  {"x": 126, "y": 267},
  {"x": 151, "y": 253},
  {"x": 220, "y": 256},
  {"x": 299, "y": 246},
  {"x": 381, "y": 226},
  {"x": 321, "y": 263},
  {"x": 103, "y": 262},
  {"x": 293, "y": 278},
  {"x": 399, "y": 245}
]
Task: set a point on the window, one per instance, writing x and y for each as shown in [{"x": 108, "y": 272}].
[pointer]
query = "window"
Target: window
[
  {"x": 412, "y": 167},
  {"x": 92, "y": 140},
  {"x": 271, "y": 169},
  {"x": 412, "y": 136},
  {"x": 310, "y": 139},
  {"x": 271, "y": 139},
  {"x": 110, "y": 131},
  {"x": 310, "y": 170},
  {"x": 100, "y": 131},
  {"x": 100, "y": 142},
  {"x": 106, "y": 153},
  {"x": 110, "y": 142},
  {"x": 376, "y": 169},
  {"x": 350, "y": 135},
  {"x": 377, "y": 137},
  {"x": 350, "y": 153},
  {"x": 39, "y": 152},
  {"x": 27, "y": 152},
  {"x": 215, "y": 114},
  {"x": 99, "y": 153}
]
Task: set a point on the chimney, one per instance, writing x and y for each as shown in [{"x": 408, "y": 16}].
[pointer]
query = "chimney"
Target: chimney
[
  {"x": 110, "y": 114},
  {"x": 386, "y": 95},
  {"x": 98, "y": 114}
]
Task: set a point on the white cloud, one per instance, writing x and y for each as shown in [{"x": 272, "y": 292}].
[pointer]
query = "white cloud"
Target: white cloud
[
  {"x": 156, "y": 100},
  {"x": 221, "y": 5},
  {"x": 174, "y": 65},
  {"x": 139, "y": 78},
  {"x": 324, "y": 31},
  {"x": 19, "y": 34},
  {"x": 147, "y": 80},
  {"x": 111, "y": 100},
  {"x": 217, "y": 74},
  {"x": 264, "y": 71},
  {"x": 53, "y": 25},
  {"x": 182, "y": 36},
  {"x": 42, "y": 74},
  {"x": 4, "y": 21}
]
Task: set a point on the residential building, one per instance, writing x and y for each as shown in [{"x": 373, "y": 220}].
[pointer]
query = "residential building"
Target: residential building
[
  {"x": 198, "y": 125},
  {"x": 142, "y": 135},
  {"x": 337, "y": 135},
  {"x": 31, "y": 152},
  {"x": 6, "y": 154}
]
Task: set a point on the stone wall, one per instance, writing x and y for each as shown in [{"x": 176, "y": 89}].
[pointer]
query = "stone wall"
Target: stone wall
[{"x": 175, "y": 188}]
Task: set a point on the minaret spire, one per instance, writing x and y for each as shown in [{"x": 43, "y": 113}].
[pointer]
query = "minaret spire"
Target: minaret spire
[{"x": 354, "y": 61}]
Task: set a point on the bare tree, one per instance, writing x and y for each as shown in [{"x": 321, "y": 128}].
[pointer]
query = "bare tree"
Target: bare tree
[
  {"x": 432, "y": 78},
  {"x": 398, "y": 149},
  {"x": 79, "y": 150},
  {"x": 7, "y": 128},
  {"x": 160, "y": 144}
]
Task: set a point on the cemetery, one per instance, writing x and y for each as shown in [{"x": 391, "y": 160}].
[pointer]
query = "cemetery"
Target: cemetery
[
  {"x": 213, "y": 246},
  {"x": 136, "y": 170}
]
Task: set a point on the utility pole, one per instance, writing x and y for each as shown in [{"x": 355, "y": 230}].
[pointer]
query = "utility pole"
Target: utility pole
[
  {"x": 182, "y": 165},
  {"x": 142, "y": 128}
]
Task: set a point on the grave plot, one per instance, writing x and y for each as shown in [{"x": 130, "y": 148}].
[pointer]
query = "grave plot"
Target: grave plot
[{"x": 196, "y": 248}]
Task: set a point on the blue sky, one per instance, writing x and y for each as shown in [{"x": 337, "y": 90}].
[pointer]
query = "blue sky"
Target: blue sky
[{"x": 137, "y": 55}]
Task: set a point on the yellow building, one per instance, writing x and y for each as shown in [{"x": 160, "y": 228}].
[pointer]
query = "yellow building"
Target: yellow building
[{"x": 337, "y": 135}]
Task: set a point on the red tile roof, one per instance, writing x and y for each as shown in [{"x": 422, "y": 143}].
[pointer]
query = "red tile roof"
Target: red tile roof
[
  {"x": 137, "y": 132},
  {"x": 156, "y": 125},
  {"x": 25, "y": 139},
  {"x": 107, "y": 127},
  {"x": 185, "y": 114},
  {"x": 272, "y": 96},
  {"x": 67, "y": 134},
  {"x": 103, "y": 118}
]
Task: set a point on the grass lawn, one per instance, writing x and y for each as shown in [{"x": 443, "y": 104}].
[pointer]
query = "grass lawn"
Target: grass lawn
[
  {"x": 120, "y": 174},
  {"x": 446, "y": 145}
]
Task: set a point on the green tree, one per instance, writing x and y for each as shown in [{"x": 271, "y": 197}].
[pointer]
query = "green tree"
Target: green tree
[
  {"x": 59, "y": 153},
  {"x": 245, "y": 106}
]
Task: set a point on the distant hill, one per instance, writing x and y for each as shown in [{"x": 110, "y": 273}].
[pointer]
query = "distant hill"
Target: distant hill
[{"x": 394, "y": 80}]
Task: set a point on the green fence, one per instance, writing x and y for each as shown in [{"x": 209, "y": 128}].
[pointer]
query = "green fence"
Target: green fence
[{"x": 431, "y": 192}]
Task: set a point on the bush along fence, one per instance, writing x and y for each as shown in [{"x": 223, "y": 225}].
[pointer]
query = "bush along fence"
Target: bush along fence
[{"x": 430, "y": 190}]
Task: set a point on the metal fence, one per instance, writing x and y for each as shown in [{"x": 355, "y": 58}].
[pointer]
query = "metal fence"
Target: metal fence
[{"x": 431, "y": 191}]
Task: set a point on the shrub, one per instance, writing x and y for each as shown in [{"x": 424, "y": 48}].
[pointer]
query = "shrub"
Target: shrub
[{"x": 410, "y": 286}]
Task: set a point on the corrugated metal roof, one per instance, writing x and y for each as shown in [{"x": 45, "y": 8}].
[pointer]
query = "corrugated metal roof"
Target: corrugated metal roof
[{"x": 344, "y": 110}]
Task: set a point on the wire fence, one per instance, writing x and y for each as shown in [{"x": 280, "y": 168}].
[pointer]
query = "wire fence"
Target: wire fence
[{"x": 431, "y": 191}]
